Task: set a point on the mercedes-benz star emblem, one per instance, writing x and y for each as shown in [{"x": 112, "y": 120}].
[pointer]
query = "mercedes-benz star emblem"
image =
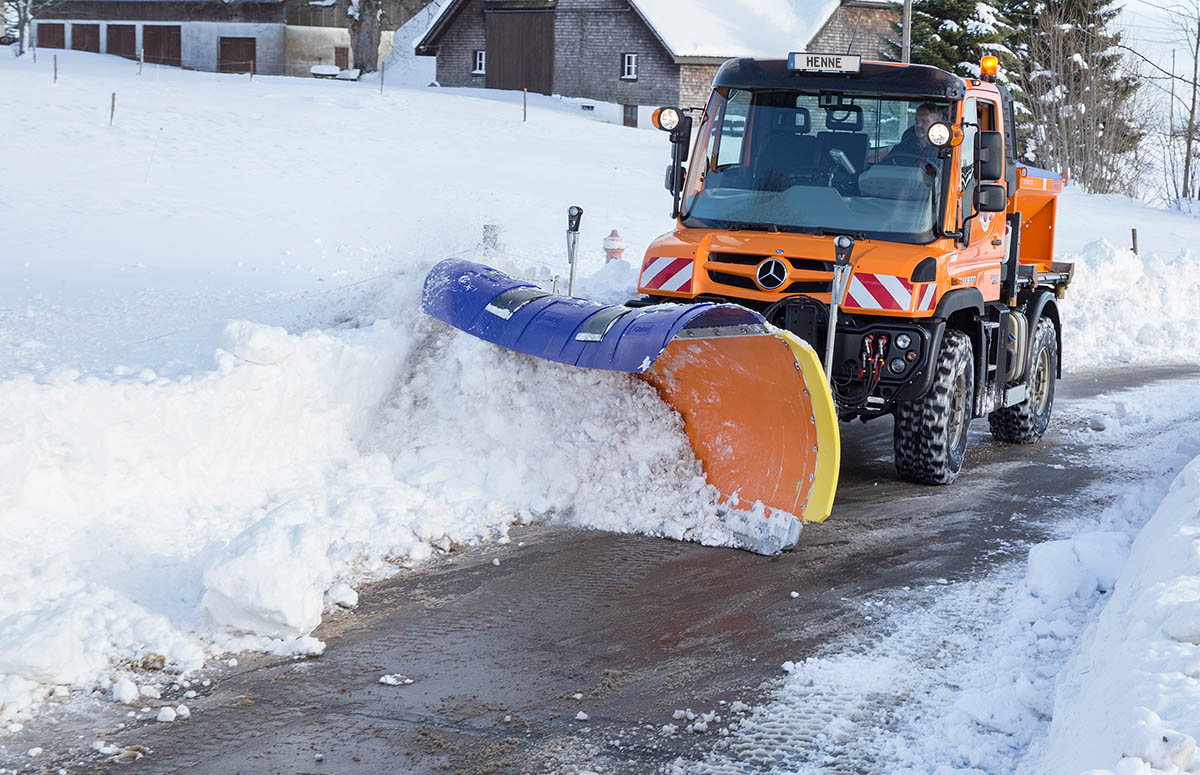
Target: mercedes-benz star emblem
[{"x": 771, "y": 274}]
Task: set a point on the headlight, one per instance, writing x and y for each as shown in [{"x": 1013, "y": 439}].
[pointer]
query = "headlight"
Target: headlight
[
  {"x": 666, "y": 119},
  {"x": 897, "y": 365},
  {"x": 903, "y": 341},
  {"x": 940, "y": 134}
]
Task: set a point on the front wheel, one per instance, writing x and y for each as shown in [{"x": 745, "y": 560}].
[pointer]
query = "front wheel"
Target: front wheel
[
  {"x": 1024, "y": 423},
  {"x": 930, "y": 433}
]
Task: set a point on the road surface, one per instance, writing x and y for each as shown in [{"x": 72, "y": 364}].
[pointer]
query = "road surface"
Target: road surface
[{"x": 623, "y": 628}]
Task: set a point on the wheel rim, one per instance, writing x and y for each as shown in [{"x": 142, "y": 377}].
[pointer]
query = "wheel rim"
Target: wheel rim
[
  {"x": 958, "y": 411},
  {"x": 1041, "y": 382}
]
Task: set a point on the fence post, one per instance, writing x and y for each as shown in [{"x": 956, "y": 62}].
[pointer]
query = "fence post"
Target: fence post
[
  {"x": 141, "y": 59},
  {"x": 382, "y": 70},
  {"x": 251, "y": 69},
  {"x": 524, "y": 104},
  {"x": 56, "y": 68},
  {"x": 1134, "y": 232},
  {"x": 112, "y": 111}
]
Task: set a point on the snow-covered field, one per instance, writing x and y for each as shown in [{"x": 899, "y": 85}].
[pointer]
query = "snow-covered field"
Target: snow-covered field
[{"x": 220, "y": 404}]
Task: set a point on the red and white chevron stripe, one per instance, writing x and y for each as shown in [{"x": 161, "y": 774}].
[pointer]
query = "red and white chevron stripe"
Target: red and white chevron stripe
[
  {"x": 668, "y": 274},
  {"x": 888, "y": 292}
]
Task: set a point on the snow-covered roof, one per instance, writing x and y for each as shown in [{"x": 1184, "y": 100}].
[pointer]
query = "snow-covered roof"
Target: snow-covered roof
[
  {"x": 718, "y": 29},
  {"x": 735, "y": 28}
]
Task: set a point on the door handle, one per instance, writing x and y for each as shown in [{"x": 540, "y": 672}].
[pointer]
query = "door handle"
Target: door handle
[{"x": 997, "y": 242}]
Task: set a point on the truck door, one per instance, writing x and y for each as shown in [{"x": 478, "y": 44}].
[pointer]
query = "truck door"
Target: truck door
[{"x": 978, "y": 264}]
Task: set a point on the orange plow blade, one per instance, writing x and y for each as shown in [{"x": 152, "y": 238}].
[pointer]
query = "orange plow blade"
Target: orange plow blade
[{"x": 759, "y": 416}]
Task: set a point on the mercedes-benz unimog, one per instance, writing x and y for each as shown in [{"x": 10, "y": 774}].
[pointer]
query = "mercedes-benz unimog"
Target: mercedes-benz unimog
[{"x": 853, "y": 239}]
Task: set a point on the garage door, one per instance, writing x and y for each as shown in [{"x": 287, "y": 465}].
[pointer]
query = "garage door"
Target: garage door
[
  {"x": 520, "y": 50},
  {"x": 236, "y": 55},
  {"x": 122, "y": 40},
  {"x": 85, "y": 37},
  {"x": 51, "y": 35},
  {"x": 162, "y": 44}
]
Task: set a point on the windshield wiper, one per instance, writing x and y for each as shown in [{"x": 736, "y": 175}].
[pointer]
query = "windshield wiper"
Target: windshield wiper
[
  {"x": 753, "y": 227},
  {"x": 820, "y": 231}
]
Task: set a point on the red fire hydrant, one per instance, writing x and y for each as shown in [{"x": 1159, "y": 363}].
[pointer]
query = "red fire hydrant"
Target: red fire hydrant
[{"x": 614, "y": 247}]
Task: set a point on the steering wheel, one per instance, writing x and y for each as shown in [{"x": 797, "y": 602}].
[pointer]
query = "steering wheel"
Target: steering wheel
[
  {"x": 807, "y": 178},
  {"x": 910, "y": 159}
]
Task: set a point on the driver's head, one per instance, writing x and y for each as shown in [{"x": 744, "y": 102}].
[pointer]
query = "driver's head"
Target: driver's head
[{"x": 928, "y": 114}]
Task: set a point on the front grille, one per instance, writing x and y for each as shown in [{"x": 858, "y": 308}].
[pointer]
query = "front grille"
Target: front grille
[
  {"x": 736, "y": 258},
  {"x": 737, "y": 281},
  {"x": 808, "y": 287},
  {"x": 744, "y": 259}
]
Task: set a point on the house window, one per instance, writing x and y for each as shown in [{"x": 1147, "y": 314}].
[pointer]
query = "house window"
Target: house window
[
  {"x": 480, "y": 63},
  {"x": 629, "y": 67}
]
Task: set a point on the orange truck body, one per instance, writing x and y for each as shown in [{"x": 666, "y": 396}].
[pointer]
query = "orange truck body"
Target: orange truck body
[{"x": 894, "y": 281}]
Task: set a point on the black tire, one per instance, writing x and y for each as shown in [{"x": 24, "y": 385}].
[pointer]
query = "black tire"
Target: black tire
[
  {"x": 1024, "y": 423},
  {"x": 930, "y": 433}
]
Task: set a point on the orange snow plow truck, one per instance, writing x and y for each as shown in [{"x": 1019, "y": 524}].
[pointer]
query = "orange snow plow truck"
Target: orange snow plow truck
[{"x": 853, "y": 239}]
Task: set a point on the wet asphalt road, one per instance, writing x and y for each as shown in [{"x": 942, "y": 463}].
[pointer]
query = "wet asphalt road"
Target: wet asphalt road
[{"x": 639, "y": 626}]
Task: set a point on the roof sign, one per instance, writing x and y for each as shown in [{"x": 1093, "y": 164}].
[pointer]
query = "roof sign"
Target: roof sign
[{"x": 802, "y": 61}]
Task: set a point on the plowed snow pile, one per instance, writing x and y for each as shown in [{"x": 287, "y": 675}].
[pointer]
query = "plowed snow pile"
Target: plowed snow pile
[{"x": 220, "y": 400}]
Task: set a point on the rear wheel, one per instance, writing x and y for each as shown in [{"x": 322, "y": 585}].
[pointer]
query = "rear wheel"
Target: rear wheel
[
  {"x": 930, "y": 433},
  {"x": 1024, "y": 423}
]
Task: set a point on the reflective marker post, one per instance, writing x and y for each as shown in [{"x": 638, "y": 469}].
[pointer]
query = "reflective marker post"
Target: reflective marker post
[
  {"x": 843, "y": 246},
  {"x": 574, "y": 213}
]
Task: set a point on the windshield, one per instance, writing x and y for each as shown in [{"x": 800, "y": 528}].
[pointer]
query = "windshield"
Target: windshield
[{"x": 819, "y": 163}]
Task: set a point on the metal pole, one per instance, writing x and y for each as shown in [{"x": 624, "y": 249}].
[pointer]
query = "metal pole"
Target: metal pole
[
  {"x": 524, "y": 104},
  {"x": 574, "y": 213},
  {"x": 906, "y": 50},
  {"x": 113, "y": 111},
  {"x": 1134, "y": 231},
  {"x": 382, "y": 72},
  {"x": 843, "y": 246}
]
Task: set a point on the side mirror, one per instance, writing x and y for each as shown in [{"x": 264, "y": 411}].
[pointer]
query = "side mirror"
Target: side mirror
[
  {"x": 991, "y": 156},
  {"x": 992, "y": 198},
  {"x": 673, "y": 179}
]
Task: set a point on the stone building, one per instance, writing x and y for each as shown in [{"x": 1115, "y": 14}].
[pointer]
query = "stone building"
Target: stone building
[
  {"x": 636, "y": 52},
  {"x": 197, "y": 34},
  {"x": 861, "y": 27},
  {"x": 269, "y": 37}
]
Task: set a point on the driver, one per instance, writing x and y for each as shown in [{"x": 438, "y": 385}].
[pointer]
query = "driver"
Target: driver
[{"x": 914, "y": 147}]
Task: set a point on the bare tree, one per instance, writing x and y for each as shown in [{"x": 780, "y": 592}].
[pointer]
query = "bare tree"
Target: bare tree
[
  {"x": 366, "y": 20},
  {"x": 21, "y": 14},
  {"x": 1081, "y": 93}
]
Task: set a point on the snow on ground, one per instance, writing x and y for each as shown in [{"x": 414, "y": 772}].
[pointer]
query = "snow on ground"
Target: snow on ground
[
  {"x": 989, "y": 677},
  {"x": 219, "y": 398},
  {"x": 174, "y": 485}
]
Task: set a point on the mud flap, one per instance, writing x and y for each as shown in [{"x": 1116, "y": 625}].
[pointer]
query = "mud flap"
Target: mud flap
[{"x": 753, "y": 399}]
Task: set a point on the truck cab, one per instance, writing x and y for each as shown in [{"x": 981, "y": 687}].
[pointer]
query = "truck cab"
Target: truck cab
[{"x": 949, "y": 311}]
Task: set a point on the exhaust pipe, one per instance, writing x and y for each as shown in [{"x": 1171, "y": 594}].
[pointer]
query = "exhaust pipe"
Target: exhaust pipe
[{"x": 843, "y": 246}]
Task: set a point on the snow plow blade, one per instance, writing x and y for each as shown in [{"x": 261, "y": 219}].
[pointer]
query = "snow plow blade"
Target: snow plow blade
[{"x": 753, "y": 399}]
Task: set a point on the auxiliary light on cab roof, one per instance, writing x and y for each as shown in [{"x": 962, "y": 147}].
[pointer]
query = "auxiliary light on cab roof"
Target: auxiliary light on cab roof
[{"x": 989, "y": 67}]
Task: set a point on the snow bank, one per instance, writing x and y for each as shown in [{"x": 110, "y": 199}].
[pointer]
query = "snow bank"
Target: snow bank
[
  {"x": 185, "y": 517},
  {"x": 1123, "y": 308},
  {"x": 1129, "y": 700}
]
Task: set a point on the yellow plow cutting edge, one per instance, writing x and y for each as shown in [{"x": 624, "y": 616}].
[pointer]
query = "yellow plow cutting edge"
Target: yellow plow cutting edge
[{"x": 759, "y": 415}]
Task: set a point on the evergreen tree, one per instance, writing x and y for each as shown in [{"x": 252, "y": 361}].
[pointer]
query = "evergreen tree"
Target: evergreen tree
[{"x": 953, "y": 34}]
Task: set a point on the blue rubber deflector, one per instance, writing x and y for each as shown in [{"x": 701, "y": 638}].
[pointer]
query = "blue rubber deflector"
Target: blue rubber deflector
[{"x": 521, "y": 316}]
